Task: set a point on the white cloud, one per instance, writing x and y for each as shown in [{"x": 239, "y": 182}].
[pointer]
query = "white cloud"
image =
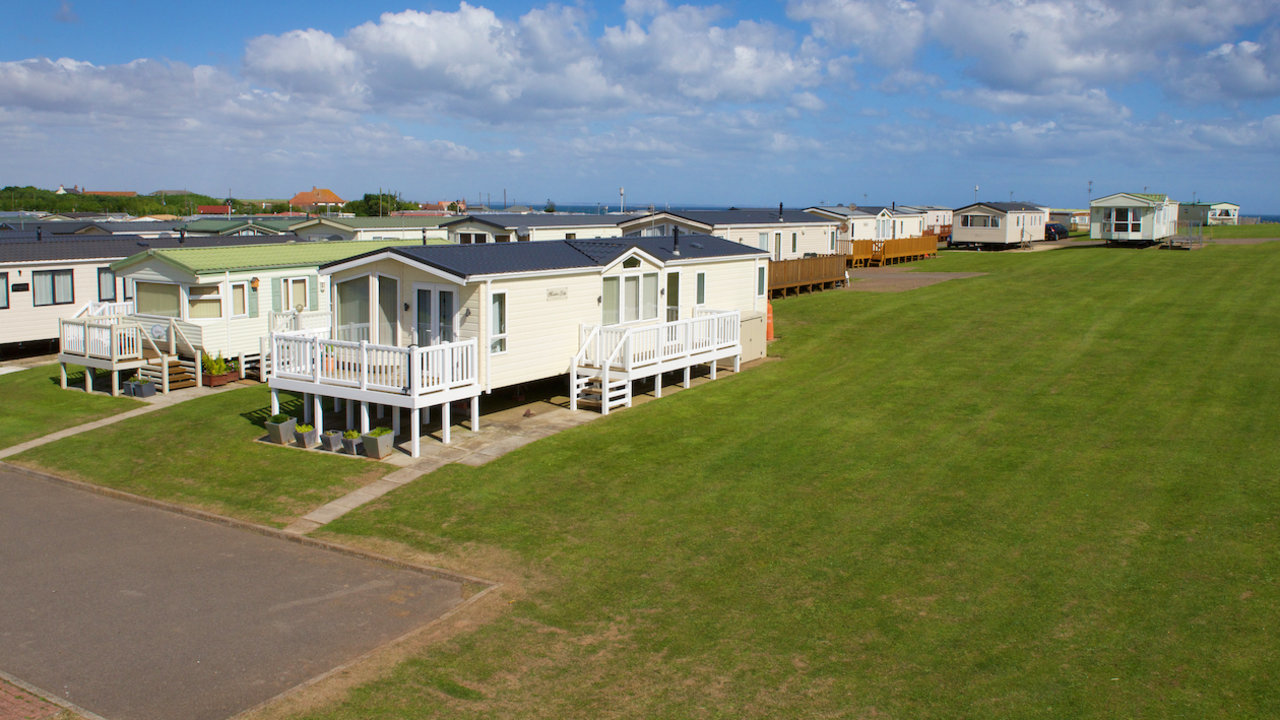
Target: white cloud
[
  {"x": 888, "y": 32},
  {"x": 310, "y": 61},
  {"x": 1234, "y": 71}
]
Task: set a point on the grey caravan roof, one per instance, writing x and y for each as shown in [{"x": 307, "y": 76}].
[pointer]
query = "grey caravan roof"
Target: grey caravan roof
[
  {"x": 63, "y": 248},
  {"x": 522, "y": 257}
]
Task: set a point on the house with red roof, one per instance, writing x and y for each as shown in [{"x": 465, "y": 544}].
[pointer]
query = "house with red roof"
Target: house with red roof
[{"x": 317, "y": 199}]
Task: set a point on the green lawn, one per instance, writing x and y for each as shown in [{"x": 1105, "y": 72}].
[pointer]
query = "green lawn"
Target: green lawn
[
  {"x": 1257, "y": 230},
  {"x": 36, "y": 405},
  {"x": 1047, "y": 492},
  {"x": 201, "y": 453}
]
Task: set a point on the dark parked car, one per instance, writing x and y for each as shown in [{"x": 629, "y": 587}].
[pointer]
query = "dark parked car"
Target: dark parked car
[{"x": 1055, "y": 231}]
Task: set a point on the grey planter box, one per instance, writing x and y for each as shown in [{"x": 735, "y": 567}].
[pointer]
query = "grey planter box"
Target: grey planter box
[
  {"x": 332, "y": 441},
  {"x": 129, "y": 388},
  {"x": 308, "y": 439},
  {"x": 378, "y": 446},
  {"x": 144, "y": 389},
  {"x": 281, "y": 433},
  {"x": 351, "y": 445}
]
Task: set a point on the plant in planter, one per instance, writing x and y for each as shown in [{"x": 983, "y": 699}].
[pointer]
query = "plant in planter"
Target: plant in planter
[
  {"x": 351, "y": 441},
  {"x": 217, "y": 371},
  {"x": 143, "y": 387},
  {"x": 306, "y": 435},
  {"x": 130, "y": 387},
  {"x": 378, "y": 442},
  {"x": 280, "y": 428},
  {"x": 332, "y": 440}
]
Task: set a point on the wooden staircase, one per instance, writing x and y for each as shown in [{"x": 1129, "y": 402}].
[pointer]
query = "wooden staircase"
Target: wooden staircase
[{"x": 182, "y": 371}]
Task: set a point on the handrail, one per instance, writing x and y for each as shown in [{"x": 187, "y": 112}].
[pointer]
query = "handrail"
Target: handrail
[{"x": 304, "y": 355}]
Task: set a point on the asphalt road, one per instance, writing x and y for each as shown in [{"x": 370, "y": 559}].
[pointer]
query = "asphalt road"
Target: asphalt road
[{"x": 137, "y": 613}]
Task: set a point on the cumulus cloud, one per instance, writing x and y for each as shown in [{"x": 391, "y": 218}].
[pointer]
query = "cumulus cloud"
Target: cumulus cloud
[
  {"x": 887, "y": 32},
  {"x": 1234, "y": 71}
]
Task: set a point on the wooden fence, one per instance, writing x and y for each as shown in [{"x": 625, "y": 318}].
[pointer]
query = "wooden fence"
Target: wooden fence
[
  {"x": 865, "y": 253},
  {"x": 787, "y": 277}
]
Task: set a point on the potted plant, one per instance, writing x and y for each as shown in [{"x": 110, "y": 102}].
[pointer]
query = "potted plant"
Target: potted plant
[
  {"x": 351, "y": 441},
  {"x": 332, "y": 440},
  {"x": 280, "y": 428},
  {"x": 306, "y": 435},
  {"x": 143, "y": 387},
  {"x": 217, "y": 371},
  {"x": 378, "y": 442},
  {"x": 130, "y": 387}
]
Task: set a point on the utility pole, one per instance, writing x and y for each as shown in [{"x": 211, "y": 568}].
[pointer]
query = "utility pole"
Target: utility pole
[{"x": 622, "y": 199}]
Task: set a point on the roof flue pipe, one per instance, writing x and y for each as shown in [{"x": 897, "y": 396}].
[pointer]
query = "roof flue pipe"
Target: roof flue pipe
[
  {"x": 779, "y": 212},
  {"x": 675, "y": 241}
]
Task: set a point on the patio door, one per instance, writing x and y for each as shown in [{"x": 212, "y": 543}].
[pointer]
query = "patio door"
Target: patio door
[{"x": 435, "y": 315}]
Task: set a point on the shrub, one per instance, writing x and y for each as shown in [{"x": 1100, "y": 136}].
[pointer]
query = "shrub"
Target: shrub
[
  {"x": 278, "y": 418},
  {"x": 379, "y": 431}
]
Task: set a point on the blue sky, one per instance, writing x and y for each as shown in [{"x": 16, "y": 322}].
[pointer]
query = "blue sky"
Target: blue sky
[{"x": 736, "y": 103}]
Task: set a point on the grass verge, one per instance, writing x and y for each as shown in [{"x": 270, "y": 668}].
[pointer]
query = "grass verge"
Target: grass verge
[
  {"x": 202, "y": 453},
  {"x": 36, "y": 405}
]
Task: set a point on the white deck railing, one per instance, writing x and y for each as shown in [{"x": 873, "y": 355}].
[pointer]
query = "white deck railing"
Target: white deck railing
[
  {"x": 292, "y": 320},
  {"x": 411, "y": 371},
  {"x": 103, "y": 338},
  {"x": 634, "y": 348},
  {"x": 99, "y": 309}
]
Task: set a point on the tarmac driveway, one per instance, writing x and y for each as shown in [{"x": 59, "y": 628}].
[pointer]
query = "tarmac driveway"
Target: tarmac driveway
[{"x": 134, "y": 612}]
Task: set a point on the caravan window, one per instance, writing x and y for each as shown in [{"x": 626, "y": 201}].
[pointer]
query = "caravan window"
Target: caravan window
[
  {"x": 204, "y": 302},
  {"x": 353, "y": 309},
  {"x": 52, "y": 287},
  {"x": 162, "y": 299}
]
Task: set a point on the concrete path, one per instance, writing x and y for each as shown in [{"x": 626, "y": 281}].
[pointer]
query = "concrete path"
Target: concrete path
[{"x": 132, "y": 611}]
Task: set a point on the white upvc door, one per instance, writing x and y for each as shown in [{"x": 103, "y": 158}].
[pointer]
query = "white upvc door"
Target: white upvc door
[{"x": 435, "y": 314}]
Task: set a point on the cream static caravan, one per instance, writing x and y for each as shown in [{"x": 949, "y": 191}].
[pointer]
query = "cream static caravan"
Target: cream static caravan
[{"x": 417, "y": 328}]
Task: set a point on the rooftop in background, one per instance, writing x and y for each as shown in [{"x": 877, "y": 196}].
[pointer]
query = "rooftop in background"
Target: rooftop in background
[
  {"x": 26, "y": 250},
  {"x": 1006, "y": 206},
  {"x": 316, "y": 196},
  {"x": 233, "y": 258}
]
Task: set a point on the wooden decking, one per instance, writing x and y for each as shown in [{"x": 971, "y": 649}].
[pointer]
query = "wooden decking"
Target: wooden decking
[
  {"x": 876, "y": 253},
  {"x": 791, "y": 277}
]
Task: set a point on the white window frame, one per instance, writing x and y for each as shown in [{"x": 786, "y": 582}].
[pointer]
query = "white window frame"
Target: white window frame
[
  {"x": 216, "y": 295},
  {"x": 499, "y": 319},
  {"x": 700, "y": 296},
  {"x": 646, "y": 306},
  {"x": 286, "y": 287},
  {"x": 231, "y": 299},
  {"x": 762, "y": 280},
  {"x": 4, "y": 291},
  {"x": 182, "y": 297}
]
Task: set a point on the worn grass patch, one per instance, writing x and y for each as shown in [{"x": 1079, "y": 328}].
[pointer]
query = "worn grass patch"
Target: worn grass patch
[
  {"x": 202, "y": 452},
  {"x": 35, "y": 405}
]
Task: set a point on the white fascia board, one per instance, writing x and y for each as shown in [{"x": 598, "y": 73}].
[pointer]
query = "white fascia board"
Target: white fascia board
[
  {"x": 388, "y": 255},
  {"x": 633, "y": 252},
  {"x": 682, "y": 262}
]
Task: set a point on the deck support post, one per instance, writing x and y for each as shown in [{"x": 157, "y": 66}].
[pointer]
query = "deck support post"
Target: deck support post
[
  {"x": 713, "y": 369},
  {"x": 307, "y": 399},
  {"x": 444, "y": 422},
  {"x": 657, "y": 385},
  {"x": 395, "y": 421},
  {"x": 62, "y": 375},
  {"x": 317, "y": 402},
  {"x": 115, "y": 383},
  {"x": 350, "y": 414},
  {"x": 737, "y": 363},
  {"x": 88, "y": 379},
  {"x": 364, "y": 417},
  {"x": 475, "y": 413},
  {"x": 687, "y": 376},
  {"x": 415, "y": 432},
  {"x": 275, "y": 401},
  {"x": 337, "y": 403}
]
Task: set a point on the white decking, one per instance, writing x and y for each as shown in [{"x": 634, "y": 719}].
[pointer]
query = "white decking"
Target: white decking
[
  {"x": 120, "y": 343},
  {"x": 614, "y": 356},
  {"x": 400, "y": 377}
]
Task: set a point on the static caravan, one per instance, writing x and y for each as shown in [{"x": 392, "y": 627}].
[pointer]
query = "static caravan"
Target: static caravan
[
  {"x": 784, "y": 234},
  {"x": 46, "y": 278},
  {"x": 999, "y": 224},
  {"x": 397, "y": 227},
  {"x": 214, "y": 300},
  {"x": 521, "y": 227},
  {"x": 422, "y": 327},
  {"x": 1202, "y": 213},
  {"x": 1133, "y": 218}
]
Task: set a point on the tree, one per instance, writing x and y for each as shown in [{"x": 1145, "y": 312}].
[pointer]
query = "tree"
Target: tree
[{"x": 551, "y": 206}]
